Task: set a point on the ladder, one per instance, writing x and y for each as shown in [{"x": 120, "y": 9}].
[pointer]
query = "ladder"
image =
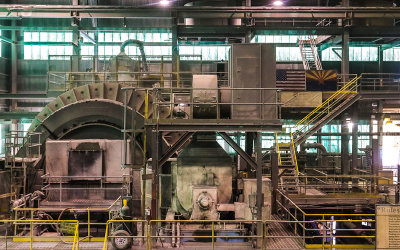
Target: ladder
[
  {"x": 287, "y": 163},
  {"x": 18, "y": 164},
  {"x": 309, "y": 54},
  {"x": 327, "y": 111}
]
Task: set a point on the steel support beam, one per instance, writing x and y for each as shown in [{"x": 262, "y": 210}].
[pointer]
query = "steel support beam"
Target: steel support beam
[
  {"x": 214, "y": 125},
  {"x": 274, "y": 181},
  {"x": 249, "y": 150},
  {"x": 9, "y": 11},
  {"x": 260, "y": 195},
  {"x": 155, "y": 192},
  {"x": 344, "y": 148},
  {"x": 17, "y": 115},
  {"x": 177, "y": 146},
  {"x": 345, "y": 54},
  {"x": 238, "y": 149}
]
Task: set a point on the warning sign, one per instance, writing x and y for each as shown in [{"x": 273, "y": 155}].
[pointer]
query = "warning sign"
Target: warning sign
[{"x": 387, "y": 226}]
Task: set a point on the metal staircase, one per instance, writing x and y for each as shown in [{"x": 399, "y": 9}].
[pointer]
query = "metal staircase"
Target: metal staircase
[
  {"x": 320, "y": 116},
  {"x": 327, "y": 111},
  {"x": 309, "y": 54},
  {"x": 287, "y": 162}
]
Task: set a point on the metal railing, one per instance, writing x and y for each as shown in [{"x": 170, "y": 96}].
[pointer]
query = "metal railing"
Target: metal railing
[
  {"x": 70, "y": 227},
  {"x": 64, "y": 81},
  {"x": 188, "y": 103},
  {"x": 338, "y": 184},
  {"x": 379, "y": 82},
  {"x": 18, "y": 161},
  {"x": 326, "y": 107},
  {"x": 300, "y": 219},
  {"x": 60, "y": 183},
  {"x": 32, "y": 214},
  {"x": 295, "y": 225},
  {"x": 168, "y": 232}
]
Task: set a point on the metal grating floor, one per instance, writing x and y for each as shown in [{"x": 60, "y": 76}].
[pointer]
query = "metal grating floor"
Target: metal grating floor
[{"x": 278, "y": 229}]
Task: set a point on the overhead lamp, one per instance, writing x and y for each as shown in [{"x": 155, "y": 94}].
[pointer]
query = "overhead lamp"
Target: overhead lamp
[
  {"x": 277, "y": 3},
  {"x": 164, "y": 2}
]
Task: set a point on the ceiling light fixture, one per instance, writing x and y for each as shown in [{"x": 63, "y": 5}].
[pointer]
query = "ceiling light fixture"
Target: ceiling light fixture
[
  {"x": 277, "y": 3},
  {"x": 164, "y": 2}
]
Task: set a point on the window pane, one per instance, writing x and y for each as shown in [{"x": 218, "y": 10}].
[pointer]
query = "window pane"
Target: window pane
[
  {"x": 43, "y": 37},
  {"x": 101, "y": 37},
  {"x": 44, "y": 52},
  {"x": 68, "y": 37},
  {"x": 27, "y": 52},
  {"x": 27, "y": 36},
  {"x": 52, "y": 37},
  {"x": 35, "y": 37}
]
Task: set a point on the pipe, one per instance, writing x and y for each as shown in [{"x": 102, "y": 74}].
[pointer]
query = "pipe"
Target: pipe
[
  {"x": 140, "y": 45},
  {"x": 314, "y": 145}
]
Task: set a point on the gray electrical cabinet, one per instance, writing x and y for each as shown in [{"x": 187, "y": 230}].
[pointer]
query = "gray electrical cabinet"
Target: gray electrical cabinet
[{"x": 253, "y": 66}]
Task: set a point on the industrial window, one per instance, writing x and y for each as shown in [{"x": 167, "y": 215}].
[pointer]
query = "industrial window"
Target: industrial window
[
  {"x": 39, "y": 50},
  {"x": 288, "y": 54},
  {"x": 48, "y": 37},
  {"x": 356, "y": 54},
  {"x": 362, "y": 140},
  {"x": 113, "y": 50},
  {"x": 87, "y": 50},
  {"x": 42, "y": 52},
  {"x": 119, "y": 37},
  {"x": 204, "y": 53},
  {"x": 279, "y": 38},
  {"x": 392, "y": 54},
  {"x": 331, "y": 143}
]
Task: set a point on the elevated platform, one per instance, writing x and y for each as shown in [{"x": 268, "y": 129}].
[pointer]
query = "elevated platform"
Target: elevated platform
[{"x": 215, "y": 125}]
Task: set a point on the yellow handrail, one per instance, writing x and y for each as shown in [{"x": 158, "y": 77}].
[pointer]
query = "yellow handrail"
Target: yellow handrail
[
  {"x": 340, "y": 91},
  {"x": 349, "y": 87},
  {"x": 294, "y": 153},
  {"x": 279, "y": 152}
]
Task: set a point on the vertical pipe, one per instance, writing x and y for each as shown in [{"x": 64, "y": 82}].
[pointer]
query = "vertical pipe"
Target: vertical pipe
[{"x": 124, "y": 149}]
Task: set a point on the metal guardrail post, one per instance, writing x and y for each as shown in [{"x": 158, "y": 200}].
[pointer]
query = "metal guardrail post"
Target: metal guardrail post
[
  {"x": 212, "y": 235},
  {"x": 105, "y": 245},
  {"x": 148, "y": 235}
]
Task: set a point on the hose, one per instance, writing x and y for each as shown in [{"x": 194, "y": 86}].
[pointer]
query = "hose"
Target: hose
[{"x": 140, "y": 45}]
